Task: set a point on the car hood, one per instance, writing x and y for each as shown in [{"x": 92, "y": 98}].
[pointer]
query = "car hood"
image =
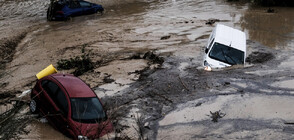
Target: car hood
[{"x": 92, "y": 130}]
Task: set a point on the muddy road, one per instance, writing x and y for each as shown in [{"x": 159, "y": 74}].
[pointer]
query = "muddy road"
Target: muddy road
[{"x": 147, "y": 68}]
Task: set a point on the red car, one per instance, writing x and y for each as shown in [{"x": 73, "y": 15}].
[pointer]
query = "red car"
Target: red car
[{"x": 70, "y": 106}]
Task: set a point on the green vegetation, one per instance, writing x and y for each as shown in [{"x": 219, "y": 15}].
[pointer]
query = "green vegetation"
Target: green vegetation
[{"x": 81, "y": 64}]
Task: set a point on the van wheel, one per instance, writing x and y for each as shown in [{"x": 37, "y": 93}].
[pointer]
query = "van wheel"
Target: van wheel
[{"x": 33, "y": 107}]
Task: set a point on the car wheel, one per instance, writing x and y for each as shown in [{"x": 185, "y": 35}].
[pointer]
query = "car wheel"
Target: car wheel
[{"x": 33, "y": 107}]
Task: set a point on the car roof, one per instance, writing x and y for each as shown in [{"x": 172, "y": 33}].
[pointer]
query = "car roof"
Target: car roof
[
  {"x": 230, "y": 37},
  {"x": 74, "y": 86}
]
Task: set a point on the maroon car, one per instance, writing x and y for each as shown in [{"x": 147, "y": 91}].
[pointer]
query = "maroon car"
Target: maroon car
[{"x": 70, "y": 106}]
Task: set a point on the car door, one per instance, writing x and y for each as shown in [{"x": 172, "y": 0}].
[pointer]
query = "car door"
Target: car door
[
  {"x": 45, "y": 99},
  {"x": 87, "y": 7},
  {"x": 56, "y": 103},
  {"x": 61, "y": 101}
]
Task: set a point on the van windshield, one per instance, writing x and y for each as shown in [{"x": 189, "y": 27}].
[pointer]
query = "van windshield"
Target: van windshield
[
  {"x": 87, "y": 110},
  {"x": 226, "y": 54}
]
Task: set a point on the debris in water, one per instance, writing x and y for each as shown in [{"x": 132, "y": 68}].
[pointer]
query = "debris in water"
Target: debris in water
[
  {"x": 212, "y": 21},
  {"x": 154, "y": 58},
  {"x": 25, "y": 93},
  {"x": 259, "y": 57},
  {"x": 165, "y": 37},
  {"x": 227, "y": 83},
  {"x": 184, "y": 85},
  {"x": 107, "y": 79},
  {"x": 81, "y": 64},
  {"x": 216, "y": 115},
  {"x": 43, "y": 120}
]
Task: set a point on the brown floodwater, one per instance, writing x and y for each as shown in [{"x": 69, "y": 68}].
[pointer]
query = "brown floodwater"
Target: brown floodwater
[
  {"x": 271, "y": 29},
  {"x": 127, "y": 27}
]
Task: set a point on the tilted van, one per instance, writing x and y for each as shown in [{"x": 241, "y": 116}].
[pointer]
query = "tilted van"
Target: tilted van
[{"x": 226, "y": 46}]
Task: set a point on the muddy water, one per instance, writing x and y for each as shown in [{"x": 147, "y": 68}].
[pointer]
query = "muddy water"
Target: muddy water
[
  {"x": 131, "y": 27},
  {"x": 40, "y": 129},
  {"x": 271, "y": 29}
]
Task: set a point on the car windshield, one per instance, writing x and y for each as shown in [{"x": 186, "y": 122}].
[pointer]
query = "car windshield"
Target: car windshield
[
  {"x": 87, "y": 110},
  {"x": 226, "y": 54}
]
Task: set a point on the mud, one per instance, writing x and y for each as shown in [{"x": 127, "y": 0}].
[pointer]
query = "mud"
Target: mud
[
  {"x": 259, "y": 57},
  {"x": 8, "y": 46},
  {"x": 147, "y": 68}
]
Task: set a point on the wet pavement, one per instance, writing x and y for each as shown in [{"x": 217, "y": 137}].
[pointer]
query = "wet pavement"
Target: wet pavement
[{"x": 172, "y": 100}]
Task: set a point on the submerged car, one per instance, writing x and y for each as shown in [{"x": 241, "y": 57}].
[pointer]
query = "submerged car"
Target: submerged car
[
  {"x": 63, "y": 9},
  {"x": 226, "y": 46},
  {"x": 70, "y": 106}
]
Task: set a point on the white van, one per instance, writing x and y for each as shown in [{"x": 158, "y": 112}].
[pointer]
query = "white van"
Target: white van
[{"x": 226, "y": 46}]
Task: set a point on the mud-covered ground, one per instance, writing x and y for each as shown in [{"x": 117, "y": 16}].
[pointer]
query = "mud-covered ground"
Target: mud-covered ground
[{"x": 146, "y": 59}]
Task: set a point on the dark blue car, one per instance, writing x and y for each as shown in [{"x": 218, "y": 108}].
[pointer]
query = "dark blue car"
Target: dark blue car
[{"x": 63, "y": 9}]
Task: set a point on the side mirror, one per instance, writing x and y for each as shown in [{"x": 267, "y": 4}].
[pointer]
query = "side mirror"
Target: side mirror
[{"x": 206, "y": 50}]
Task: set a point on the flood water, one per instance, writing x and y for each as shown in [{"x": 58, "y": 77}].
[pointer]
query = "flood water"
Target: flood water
[{"x": 126, "y": 27}]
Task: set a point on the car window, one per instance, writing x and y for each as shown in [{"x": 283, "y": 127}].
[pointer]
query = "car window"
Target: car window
[
  {"x": 84, "y": 4},
  {"x": 61, "y": 101},
  {"x": 74, "y": 4},
  {"x": 226, "y": 54},
  {"x": 50, "y": 88},
  {"x": 56, "y": 95},
  {"x": 87, "y": 110}
]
